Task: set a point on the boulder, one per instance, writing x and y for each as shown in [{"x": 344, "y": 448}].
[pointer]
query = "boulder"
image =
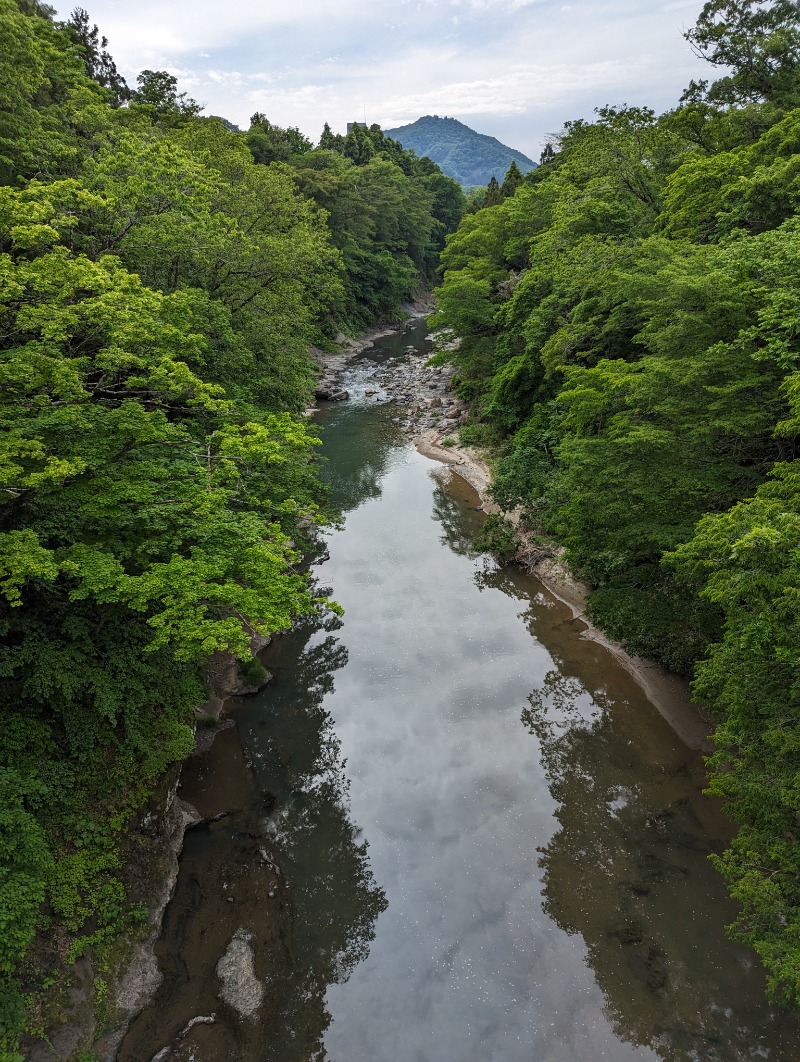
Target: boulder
[{"x": 241, "y": 989}]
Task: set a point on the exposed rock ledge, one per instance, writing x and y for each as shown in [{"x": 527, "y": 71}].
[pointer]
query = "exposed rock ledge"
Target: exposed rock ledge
[
  {"x": 142, "y": 976},
  {"x": 225, "y": 679}
]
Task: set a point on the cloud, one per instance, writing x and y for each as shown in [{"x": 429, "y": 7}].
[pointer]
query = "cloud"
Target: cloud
[
  {"x": 494, "y": 5},
  {"x": 514, "y": 92},
  {"x": 520, "y": 67},
  {"x": 225, "y": 77}
]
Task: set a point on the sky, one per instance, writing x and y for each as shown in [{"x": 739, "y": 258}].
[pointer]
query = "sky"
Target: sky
[{"x": 515, "y": 69}]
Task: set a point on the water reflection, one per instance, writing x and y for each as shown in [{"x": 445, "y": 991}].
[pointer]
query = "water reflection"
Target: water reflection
[
  {"x": 311, "y": 921},
  {"x": 358, "y": 471},
  {"x": 628, "y": 871},
  {"x": 334, "y": 897},
  {"x": 459, "y": 522}
]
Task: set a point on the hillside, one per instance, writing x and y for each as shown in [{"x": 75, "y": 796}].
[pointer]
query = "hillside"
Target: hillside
[{"x": 472, "y": 158}]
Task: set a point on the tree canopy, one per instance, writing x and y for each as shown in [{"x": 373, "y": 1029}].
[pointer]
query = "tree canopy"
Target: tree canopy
[{"x": 388, "y": 211}]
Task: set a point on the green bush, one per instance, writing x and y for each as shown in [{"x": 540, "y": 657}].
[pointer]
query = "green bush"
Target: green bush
[
  {"x": 253, "y": 671},
  {"x": 476, "y": 433}
]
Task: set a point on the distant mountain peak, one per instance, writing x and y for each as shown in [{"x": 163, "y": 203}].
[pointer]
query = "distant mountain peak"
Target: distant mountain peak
[{"x": 471, "y": 158}]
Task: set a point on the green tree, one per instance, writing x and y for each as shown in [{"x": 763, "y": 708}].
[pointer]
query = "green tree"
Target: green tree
[
  {"x": 358, "y": 145},
  {"x": 271, "y": 143},
  {"x": 745, "y": 562},
  {"x": 512, "y": 180},
  {"x": 747, "y": 190},
  {"x": 330, "y": 141},
  {"x": 494, "y": 194},
  {"x": 158, "y": 90},
  {"x": 758, "y": 40},
  {"x": 100, "y": 65}
]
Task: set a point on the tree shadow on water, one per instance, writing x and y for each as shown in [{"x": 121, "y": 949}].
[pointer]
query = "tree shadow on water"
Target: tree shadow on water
[
  {"x": 628, "y": 870},
  {"x": 334, "y": 898},
  {"x": 358, "y": 446},
  {"x": 459, "y": 524}
]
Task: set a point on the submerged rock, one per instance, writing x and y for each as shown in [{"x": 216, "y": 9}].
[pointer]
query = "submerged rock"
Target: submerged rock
[{"x": 241, "y": 989}]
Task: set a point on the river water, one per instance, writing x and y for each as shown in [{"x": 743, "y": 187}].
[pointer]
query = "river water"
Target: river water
[{"x": 492, "y": 846}]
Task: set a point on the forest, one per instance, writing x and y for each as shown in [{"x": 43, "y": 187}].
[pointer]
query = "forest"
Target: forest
[
  {"x": 162, "y": 276},
  {"x": 625, "y": 324}
]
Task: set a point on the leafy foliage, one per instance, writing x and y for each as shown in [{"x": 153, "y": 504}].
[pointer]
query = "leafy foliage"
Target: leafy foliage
[
  {"x": 161, "y": 279},
  {"x": 387, "y": 212},
  {"x": 625, "y": 323},
  {"x": 758, "y": 40}
]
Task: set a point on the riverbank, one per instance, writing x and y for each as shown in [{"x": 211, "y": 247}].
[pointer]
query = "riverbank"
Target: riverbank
[{"x": 670, "y": 694}]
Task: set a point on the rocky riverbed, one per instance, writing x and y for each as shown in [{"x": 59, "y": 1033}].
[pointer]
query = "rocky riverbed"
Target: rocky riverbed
[{"x": 428, "y": 405}]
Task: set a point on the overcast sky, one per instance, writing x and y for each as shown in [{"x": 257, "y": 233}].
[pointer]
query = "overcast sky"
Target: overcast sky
[{"x": 516, "y": 69}]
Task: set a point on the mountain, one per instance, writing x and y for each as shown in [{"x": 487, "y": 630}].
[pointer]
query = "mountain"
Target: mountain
[{"x": 472, "y": 158}]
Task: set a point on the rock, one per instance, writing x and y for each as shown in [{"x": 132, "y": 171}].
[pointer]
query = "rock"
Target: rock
[
  {"x": 241, "y": 989},
  {"x": 331, "y": 392},
  {"x": 142, "y": 974},
  {"x": 630, "y": 932},
  {"x": 201, "y": 1019},
  {"x": 261, "y": 641},
  {"x": 168, "y": 1052},
  {"x": 242, "y": 688},
  {"x": 224, "y": 678},
  {"x": 656, "y": 966}
]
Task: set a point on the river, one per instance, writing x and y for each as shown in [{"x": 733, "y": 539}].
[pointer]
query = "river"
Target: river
[{"x": 492, "y": 847}]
